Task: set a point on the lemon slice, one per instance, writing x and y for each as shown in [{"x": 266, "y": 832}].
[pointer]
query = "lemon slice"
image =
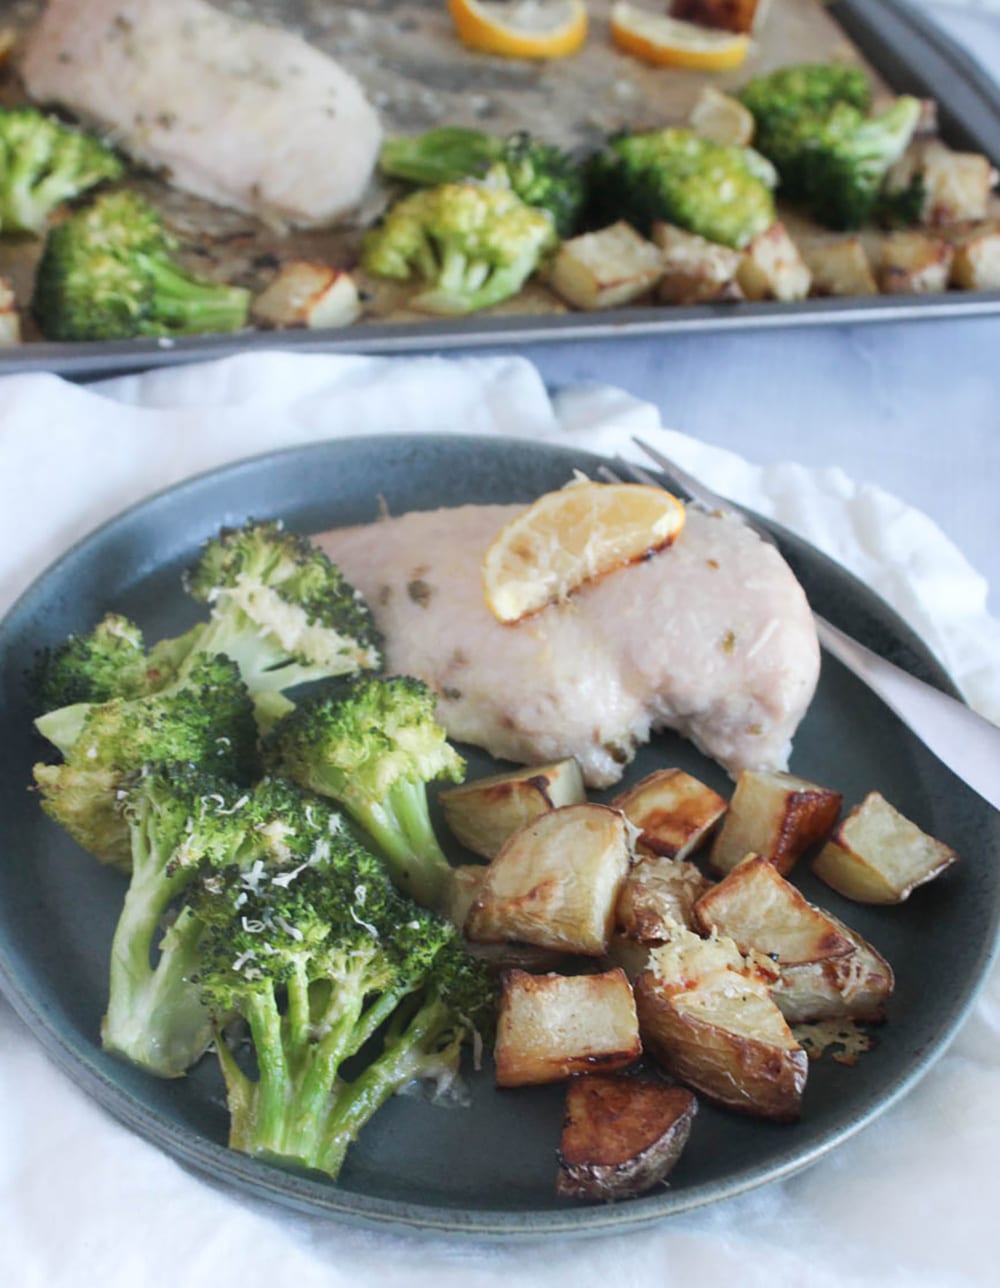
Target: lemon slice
[
  {"x": 671, "y": 42},
  {"x": 721, "y": 118},
  {"x": 521, "y": 28},
  {"x": 572, "y": 536}
]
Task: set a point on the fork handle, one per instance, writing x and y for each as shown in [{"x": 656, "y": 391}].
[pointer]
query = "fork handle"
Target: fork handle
[{"x": 960, "y": 738}]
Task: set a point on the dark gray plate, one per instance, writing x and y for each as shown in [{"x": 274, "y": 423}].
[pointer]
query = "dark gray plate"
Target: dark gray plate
[{"x": 488, "y": 1171}]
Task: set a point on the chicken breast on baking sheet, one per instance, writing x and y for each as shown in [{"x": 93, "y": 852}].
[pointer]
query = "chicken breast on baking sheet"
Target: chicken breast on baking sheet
[
  {"x": 239, "y": 113},
  {"x": 711, "y": 637}
]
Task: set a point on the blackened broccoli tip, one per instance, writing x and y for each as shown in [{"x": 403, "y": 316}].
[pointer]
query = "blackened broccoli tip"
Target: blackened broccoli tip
[
  {"x": 373, "y": 745},
  {"x": 106, "y": 662},
  {"x": 108, "y": 272},
  {"x": 43, "y": 164},
  {"x": 473, "y": 243}
]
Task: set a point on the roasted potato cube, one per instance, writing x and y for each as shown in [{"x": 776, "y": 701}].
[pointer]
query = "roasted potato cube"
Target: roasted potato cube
[
  {"x": 774, "y": 815},
  {"x": 711, "y": 1023},
  {"x": 726, "y": 15},
  {"x": 721, "y": 118},
  {"x": 841, "y": 268},
  {"x": 877, "y": 855},
  {"x": 466, "y": 883},
  {"x": 695, "y": 270},
  {"x": 556, "y": 882},
  {"x": 914, "y": 263},
  {"x": 621, "y": 1135},
  {"x": 956, "y": 185},
  {"x": 976, "y": 265},
  {"x": 856, "y": 986},
  {"x": 756, "y": 908},
  {"x": 602, "y": 269},
  {"x": 772, "y": 268},
  {"x": 8, "y": 39},
  {"x": 552, "y": 1026},
  {"x": 10, "y": 319},
  {"x": 310, "y": 295},
  {"x": 674, "y": 812},
  {"x": 658, "y": 895},
  {"x": 484, "y": 813}
]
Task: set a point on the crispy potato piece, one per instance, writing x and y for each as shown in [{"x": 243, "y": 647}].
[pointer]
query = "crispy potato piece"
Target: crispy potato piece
[
  {"x": 556, "y": 882},
  {"x": 695, "y": 270},
  {"x": 710, "y": 1022},
  {"x": 621, "y": 1136},
  {"x": 772, "y": 267},
  {"x": 603, "y": 269},
  {"x": 310, "y": 295},
  {"x": 8, "y": 39},
  {"x": 484, "y": 813},
  {"x": 757, "y": 908},
  {"x": 976, "y": 265},
  {"x": 674, "y": 812},
  {"x": 957, "y": 185},
  {"x": 914, "y": 263},
  {"x": 877, "y": 855},
  {"x": 725, "y": 15},
  {"x": 841, "y": 268},
  {"x": 774, "y": 815},
  {"x": 10, "y": 319},
  {"x": 658, "y": 895},
  {"x": 721, "y": 118},
  {"x": 552, "y": 1026},
  {"x": 856, "y": 987},
  {"x": 467, "y": 881}
]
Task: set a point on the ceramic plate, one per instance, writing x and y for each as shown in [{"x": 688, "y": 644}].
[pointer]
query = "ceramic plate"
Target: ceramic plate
[{"x": 487, "y": 1170}]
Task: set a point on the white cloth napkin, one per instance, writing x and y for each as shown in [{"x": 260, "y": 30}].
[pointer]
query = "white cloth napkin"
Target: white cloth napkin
[{"x": 911, "y": 1201}]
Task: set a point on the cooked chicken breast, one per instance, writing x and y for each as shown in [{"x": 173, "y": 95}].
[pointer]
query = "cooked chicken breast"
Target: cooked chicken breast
[
  {"x": 712, "y": 637},
  {"x": 242, "y": 114}
]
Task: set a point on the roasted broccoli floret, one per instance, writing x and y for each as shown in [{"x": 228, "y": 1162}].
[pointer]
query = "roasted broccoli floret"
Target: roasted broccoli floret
[
  {"x": 180, "y": 820},
  {"x": 832, "y": 157},
  {"x": 539, "y": 173},
  {"x": 474, "y": 243},
  {"x": 109, "y": 273},
  {"x": 720, "y": 192},
  {"x": 320, "y": 955},
  {"x": 107, "y": 662},
  {"x": 373, "y": 747},
  {"x": 207, "y": 720},
  {"x": 44, "y": 163},
  {"x": 281, "y": 610}
]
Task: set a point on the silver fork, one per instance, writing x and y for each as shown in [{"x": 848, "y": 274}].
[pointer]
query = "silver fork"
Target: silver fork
[{"x": 962, "y": 739}]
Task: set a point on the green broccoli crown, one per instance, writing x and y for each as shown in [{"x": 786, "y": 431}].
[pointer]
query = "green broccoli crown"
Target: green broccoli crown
[
  {"x": 82, "y": 802},
  {"x": 546, "y": 177},
  {"x": 43, "y": 164},
  {"x": 107, "y": 662},
  {"x": 473, "y": 242},
  {"x": 718, "y": 191},
  {"x": 107, "y": 273},
  {"x": 280, "y": 608},
  {"x": 902, "y": 207},
  {"x": 805, "y": 87}
]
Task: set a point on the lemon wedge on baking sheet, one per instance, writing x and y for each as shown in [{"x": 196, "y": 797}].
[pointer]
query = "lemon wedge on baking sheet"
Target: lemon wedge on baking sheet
[
  {"x": 569, "y": 537},
  {"x": 521, "y": 28},
  {"x": 671, "y": 42}
]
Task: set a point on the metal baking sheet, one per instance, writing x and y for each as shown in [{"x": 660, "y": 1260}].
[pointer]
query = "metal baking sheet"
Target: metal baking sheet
[{"x": 418, "y": 81}]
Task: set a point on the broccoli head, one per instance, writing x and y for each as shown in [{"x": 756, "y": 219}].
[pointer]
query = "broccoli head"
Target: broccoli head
[
  {"x": 474, "y": 243},
  {"x": 107, "y": 662},
  {"x": 720, "y": 192},
  {"x": 539, "y": 173},
  {"x": 374, "y": 746},
  {"x": 810, "y": 88},
  {"x": 108, "y": 273},
  {"x": 44, "y": 163}
]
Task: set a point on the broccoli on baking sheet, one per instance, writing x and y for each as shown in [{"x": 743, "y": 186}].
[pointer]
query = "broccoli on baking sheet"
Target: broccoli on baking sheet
[
  {"x": 473, "y": 243},
  {"x": 327, "y": 963},
  {"x": 541, "y": 174},
  {"x": 719, "y": 191},
  {"x": 109, "y": 273},
  {"x": 43, "y": 164},
  {"x": 373, "y": 746}
]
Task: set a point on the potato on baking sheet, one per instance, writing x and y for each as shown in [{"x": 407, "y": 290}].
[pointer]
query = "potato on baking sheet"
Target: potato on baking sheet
[
  {"x": 556, "y": 882},
  {"x": 854, "y": 987},
  {"x": 309, "y": 295},
  {"x": 674, "y": 812},
  {"x": 775, "y": 815},
  {"x": 758, "y": 909},
  {"x": 772, "y": 268},
  {"x": 10, "y": 319},
  {"x": 976, "y": 263},
  {"x": 841, "y": 268},
  {"x": 914, "y": 263},
  {"x": 695, "y": 270},
  {"x": 721, "y": 118},
  {"x": 956, "y": 186},
  {"x": 709, "y": 1020},
  {"x": 877, "y": 855},
  {"x": 621, "y": 1135},
  {"x": 658, "y": 895},
  {"x": 552, "y": 1026},
  {"x": 483, "y": 813},
  {"x": 600, "y": 270}
]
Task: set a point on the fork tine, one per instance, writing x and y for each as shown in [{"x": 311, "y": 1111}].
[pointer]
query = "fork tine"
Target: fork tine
[
  {"x": 692, "y": 486},
  {"x": 608, "y": 475}
]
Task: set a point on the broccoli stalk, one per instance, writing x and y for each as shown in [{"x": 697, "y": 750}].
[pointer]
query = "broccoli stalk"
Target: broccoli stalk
[{"x": 374, "y": 747}]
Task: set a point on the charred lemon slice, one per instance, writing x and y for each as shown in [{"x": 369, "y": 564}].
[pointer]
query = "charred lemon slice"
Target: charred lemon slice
[
  {"x": 570, "y": 537},
  {"x": 671, "y": 42},
  {"x": 521, "y": 28}
]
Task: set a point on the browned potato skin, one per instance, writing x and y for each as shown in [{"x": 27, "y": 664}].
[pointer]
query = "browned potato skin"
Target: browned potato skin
[
  {"x": 809, "y": 812},
  {"x": 483, "y": 813},
  {"x": 736, "y": 1072},
  {"x": 621, "y": 1136},
  {"x": 725, "y": 15},
  {"x": 674, "y": 812},
  {"x": 659, "y": 892},
  {"x": 856, "y": 987}
]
